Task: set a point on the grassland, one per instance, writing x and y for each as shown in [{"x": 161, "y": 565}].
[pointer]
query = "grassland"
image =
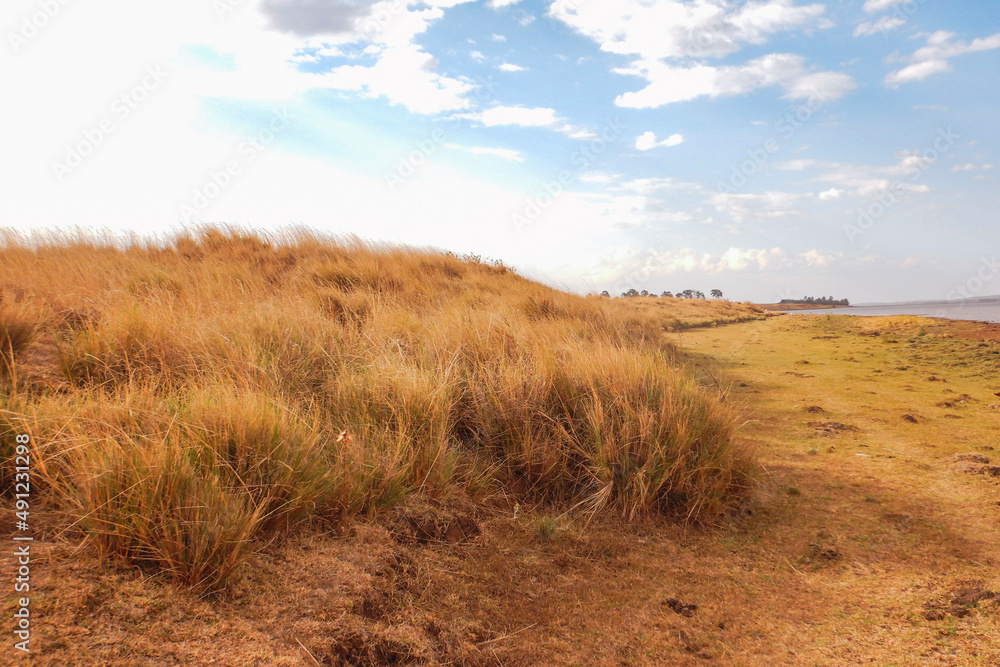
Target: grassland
[{"x": 479, "y": 470}]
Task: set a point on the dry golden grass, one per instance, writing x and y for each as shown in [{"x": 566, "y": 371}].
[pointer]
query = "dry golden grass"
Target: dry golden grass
[
  {"x": 867, "y": 544},
  {"x": 191, "y": 401}
]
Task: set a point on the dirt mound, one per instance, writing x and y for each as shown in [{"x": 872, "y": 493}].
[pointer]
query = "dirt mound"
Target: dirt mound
[
  {"x": 831, "y": 428},
  {"x": 360, "y": 645},
  {"x": 680, "y": 607},
  {"x": 970, "y": 458},
  {"x": 960, "y": 602},
  {"x": 421, "y": 520}
]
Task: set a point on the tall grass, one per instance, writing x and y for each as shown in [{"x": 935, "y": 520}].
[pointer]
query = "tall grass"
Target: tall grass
[{"x": 224, "y": 387}]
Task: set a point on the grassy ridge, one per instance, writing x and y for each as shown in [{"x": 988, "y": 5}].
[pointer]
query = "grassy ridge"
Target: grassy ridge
[{"x": 187, "y": 400}]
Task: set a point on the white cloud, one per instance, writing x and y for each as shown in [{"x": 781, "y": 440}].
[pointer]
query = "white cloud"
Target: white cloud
[
  {"x": 934, "y": 57},
  {"x": 746, "y": 207},
  {"x": 832, "y": 193},
  {"x": 509, "y": 67},
  {"x": 802, "y": 165},
  {"x": 500, "y": 4},
  {"x": 498, "y": 38},
  {"x": 505, "y": 153},
  {"x": 403, "y": 75},
  {"x": 815, "y": 258},
  {"x": 647, "y": 141},
  {"x": 663, "y": 37},
  {"x": 669, "y": 84},
  {"x": 653, "y": 184},
  {"x": 674, "y": 29},
  {"x": 623, "y": 265},
  {"x": 477, "y": 56},
  {"x": 867, "y": 181},
  {"x": 970, "y": 167},
  {"x": 883, "y": 25},
  {"x": 403, "y": 72},
  {"x": 527, "y": 117},
  {"x": 873, "y": 6}
]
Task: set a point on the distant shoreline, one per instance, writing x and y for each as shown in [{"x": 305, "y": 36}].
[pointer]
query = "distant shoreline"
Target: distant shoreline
[{"x": 795, "y": 306}]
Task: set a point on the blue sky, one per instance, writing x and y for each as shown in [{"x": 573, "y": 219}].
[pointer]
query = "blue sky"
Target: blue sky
[{"x": 771, "y": 149}]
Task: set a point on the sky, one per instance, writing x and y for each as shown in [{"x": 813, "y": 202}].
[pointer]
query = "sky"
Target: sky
[{"x": 770, "y": 149}]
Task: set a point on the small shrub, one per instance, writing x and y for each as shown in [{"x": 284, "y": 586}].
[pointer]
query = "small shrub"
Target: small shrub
[
  {"x": 16, "y": 333},
  {"x": 546, "y": 528}
]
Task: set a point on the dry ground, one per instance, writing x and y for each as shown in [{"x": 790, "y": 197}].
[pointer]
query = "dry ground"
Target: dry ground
[{"x": 869, "y": 544}]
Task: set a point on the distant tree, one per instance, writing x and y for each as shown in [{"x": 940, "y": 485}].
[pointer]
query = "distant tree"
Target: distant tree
[
  {"x": 699, "y": 295},
  {"x": 688, "y": 294},
  {"x": 667, "y": 295},
  {"x": 605, "y": 293},
  {"x": 631, "y": 292},
  {"x": 716, "y": 294},
  {"x": 643, "y": 293}
]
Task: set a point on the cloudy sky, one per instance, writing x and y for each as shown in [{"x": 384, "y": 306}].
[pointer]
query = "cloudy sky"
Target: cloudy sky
[{"x": 771, "y": 149}]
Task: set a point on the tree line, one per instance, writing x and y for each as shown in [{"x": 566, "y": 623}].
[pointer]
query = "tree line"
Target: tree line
[
  {"x": 684, "y": 294},
  {"x": 821, "y": 301}
]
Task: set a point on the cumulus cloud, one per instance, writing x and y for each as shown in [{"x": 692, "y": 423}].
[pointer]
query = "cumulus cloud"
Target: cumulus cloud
[
  {"x": 741, "y": 207},
  {"x": 970, "y": 167},
  {"x": 505, "y": 153},
  {"x": 867, "y": 181},
  {"x": 509, "y": 67},
  {"x": 403, "y": 72},
  {"x": 674, "y": 29},
  {"x": 307, "y": 18},
  {"x": 884, "y": 24},
  {"x": 935, "y": 56},
  {"x": 647, "y": 141},
  {"x": 527, "y": 117},
  {"x": 624, "y": 266},
  {"x": 669, "y": 83},
  {"x": 670, "y": 41},
  {"x": 873, "y": 6}
]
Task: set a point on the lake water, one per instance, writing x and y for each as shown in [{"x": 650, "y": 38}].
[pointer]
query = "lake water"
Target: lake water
[{"x": 980, "y": 310}]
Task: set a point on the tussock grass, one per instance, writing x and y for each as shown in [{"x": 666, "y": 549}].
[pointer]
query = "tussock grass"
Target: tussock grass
[{"x": 223, "y": 387}]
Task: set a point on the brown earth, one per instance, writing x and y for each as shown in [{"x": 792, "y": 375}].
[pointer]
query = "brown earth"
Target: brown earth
[{"x": 872, "y": 547}]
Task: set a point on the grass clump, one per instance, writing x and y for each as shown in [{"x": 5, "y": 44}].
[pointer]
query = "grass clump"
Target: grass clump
[{"x": 546, "y": 528}]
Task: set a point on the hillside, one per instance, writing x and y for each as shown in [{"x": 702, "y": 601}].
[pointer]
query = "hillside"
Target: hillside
[{"x": 189, "y": 402}]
